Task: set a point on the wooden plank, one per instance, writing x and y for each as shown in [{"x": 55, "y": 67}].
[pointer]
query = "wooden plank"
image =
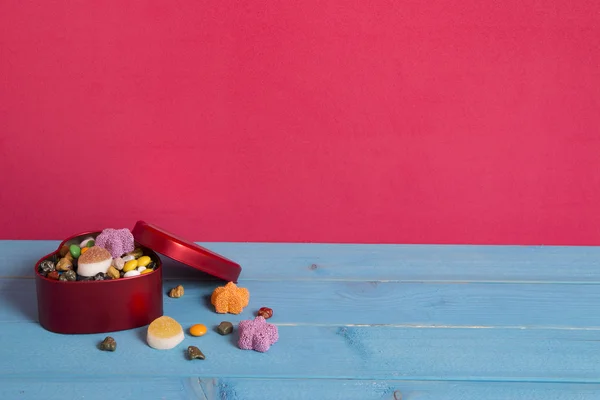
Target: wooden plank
[
  {"x": 117, "y": 388},
  {"x": 350, "y": 302},
  {"x": 308, "y": 389},
  {"x": 333, "y": 352},
  {"x": 100, "y": 388},
  {"x": 280, "y": 261},
  {"x": 18, "y": 257}
]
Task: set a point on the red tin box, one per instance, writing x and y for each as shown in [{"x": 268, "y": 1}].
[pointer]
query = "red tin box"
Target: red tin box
[{"x": 88, "y": 306}]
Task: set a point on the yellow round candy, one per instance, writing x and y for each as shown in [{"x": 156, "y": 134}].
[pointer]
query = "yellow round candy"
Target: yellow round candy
[
  {"x": 146, "y": 271},
  {"x": 130, "y": 265},
  {"x": 164, "y": 333},
  {"x": 198, "y": 330},
  {"x": 143, "y": 261}
]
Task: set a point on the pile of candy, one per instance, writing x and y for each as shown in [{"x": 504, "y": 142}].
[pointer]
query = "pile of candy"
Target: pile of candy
[
  {"x": 166, "y": 333},
  {"x": 110, "y": 255}
]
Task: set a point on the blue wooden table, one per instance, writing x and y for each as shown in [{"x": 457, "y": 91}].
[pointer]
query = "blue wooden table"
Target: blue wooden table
[{"x": 355, "y": 322}]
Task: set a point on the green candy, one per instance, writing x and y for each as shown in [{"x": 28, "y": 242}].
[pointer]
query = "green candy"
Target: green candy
[
  {"x": 91, "y": 243},
  {"x": 75, "y": 250}
]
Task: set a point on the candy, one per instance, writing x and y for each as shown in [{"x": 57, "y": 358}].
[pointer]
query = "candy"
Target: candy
[
  {"x": 257, "y": 335},
  {"x": 64, "y": 264},
  {"x": 136, "y": 253},
  {"x": 88, "y": 242},
  {"x": 230, "y": 298},
  {"x": 100, "y": 276},
  {"x": 64, "y": 249},
  {"x": 118, "y": 263},
  {"x": 131, "y": 273},
  {"x": 195, "y": 353},
  {"x": 108, "y": 344},
  {"x": 113, "y": 272},
  {"x": 75, "y": 250},
  {"x": 95, "y": 260},
  {"x": 130, "y": 265},
  {"x": 265, "y": 312},
  {"x": 176, "y": 292},
  {"x": 70, "y": 275},
  {"x": 225, "y": 328},
  {"x": 46, "y": 266},
  {"x": 198, "y": 330},
  {"x": 116, "y": 241},
  {"x": 143, "y": 261},
  {"x": 164, "y": 333},
  {"x": 53, "y": 275}
]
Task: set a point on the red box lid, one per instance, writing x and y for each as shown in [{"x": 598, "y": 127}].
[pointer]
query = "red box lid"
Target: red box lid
[{"x": 186, "y": 252}]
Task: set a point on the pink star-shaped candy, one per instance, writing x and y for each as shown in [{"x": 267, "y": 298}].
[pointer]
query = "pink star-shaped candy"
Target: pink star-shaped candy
[{"x": 257, "y": 334}]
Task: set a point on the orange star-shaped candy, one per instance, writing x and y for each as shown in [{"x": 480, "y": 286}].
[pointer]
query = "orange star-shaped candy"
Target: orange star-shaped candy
[{"x": 230, "y": 299}]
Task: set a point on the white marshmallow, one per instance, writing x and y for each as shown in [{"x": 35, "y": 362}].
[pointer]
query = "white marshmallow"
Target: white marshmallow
[{"x": 92, "y": 269}]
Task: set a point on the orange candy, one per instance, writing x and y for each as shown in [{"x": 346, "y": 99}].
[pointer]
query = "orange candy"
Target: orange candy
[
  {"x": 84, "y": 249},
  {"x": 230, "y": 299},
  {"x": 198, "y": 330}
]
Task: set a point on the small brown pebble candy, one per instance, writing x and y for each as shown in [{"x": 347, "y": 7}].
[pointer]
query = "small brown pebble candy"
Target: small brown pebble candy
[
  {"x": 69, "y": 256},
  {"x": 265, "y": 312},
  {"x": 113, "y": 272},
  {"x": 64, "y": 264},
  {"x": 53, "y": 275},
  {"x": 137, "y": 252},
  {"x": 225, "y": 328},
  {"x": 176, "y": 292},
  {"x": 108, "y": 344},
  {"x": 64, "y": 250},
  {"x": 195, "y": 352}
]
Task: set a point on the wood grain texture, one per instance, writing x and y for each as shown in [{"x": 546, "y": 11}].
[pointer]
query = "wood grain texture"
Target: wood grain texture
[
  {"x": 373, "y": 303},
  {"x": 101, "y": 388},
  {"x": 355, "y": 322},
  {"x": 191, "y": 388},
  {"x": 377, "y": 353},
  {"x": 351, "y": 389},
  {"x": 282, "y": 261}
]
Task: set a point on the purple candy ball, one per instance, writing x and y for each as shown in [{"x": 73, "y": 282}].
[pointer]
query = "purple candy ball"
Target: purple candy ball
[{"x": 116, "y": 241}]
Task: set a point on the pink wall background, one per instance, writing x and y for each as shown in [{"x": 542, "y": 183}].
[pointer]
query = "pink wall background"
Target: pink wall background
[{"x": 406, "y": 121}]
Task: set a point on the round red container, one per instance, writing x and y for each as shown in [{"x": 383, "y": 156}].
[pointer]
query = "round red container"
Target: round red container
[
  {"x": 98, "y": 306},
  {"x": 113, "y": 305}
]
